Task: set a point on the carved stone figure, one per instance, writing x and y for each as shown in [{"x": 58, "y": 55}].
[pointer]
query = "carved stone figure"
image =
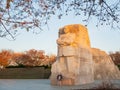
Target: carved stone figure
[
  {"x": 77, "y": 62},
  {"x": 74, "y": 59}
]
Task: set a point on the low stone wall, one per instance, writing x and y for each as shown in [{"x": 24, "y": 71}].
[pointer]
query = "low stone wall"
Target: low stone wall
[{"x": 25, "y": 73}]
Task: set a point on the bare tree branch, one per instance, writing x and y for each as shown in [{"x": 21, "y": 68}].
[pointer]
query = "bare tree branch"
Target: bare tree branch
[
  {"x": 29, "y": 14},
  {"x": 7, "y": 30}
]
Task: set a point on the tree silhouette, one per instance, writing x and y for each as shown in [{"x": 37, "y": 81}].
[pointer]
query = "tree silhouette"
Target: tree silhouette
[{"x": 32, "y": 14}]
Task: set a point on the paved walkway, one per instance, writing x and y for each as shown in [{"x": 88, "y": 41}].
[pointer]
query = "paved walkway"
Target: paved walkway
[{"x": 44, "y": 84}]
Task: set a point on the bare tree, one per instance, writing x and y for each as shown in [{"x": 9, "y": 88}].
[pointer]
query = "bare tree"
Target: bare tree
[{"x": 32, "y": 14}]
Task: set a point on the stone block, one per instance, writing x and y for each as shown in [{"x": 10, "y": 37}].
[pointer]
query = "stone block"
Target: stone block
[
  {"x": 73, "y": 65},
  {"x": 104, "y": 68},
  {"x": 67, "y": 51}
]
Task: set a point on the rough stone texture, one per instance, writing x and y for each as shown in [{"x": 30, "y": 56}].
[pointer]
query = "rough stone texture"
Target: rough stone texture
[
  {"x": 77, "y": 61},
  {"x": 74, "y": 59},
  {"x": 104, "y": 67}
]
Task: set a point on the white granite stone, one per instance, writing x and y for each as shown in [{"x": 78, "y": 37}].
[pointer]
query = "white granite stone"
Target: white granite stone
[
  {"x": 74, "y": 59},
  {"x": 77, "y": 62}
]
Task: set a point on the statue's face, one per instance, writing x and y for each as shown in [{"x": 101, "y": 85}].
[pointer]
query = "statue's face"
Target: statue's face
[
  {"x": 66, "y": 38},
  {"x": 73, "y": 35}
]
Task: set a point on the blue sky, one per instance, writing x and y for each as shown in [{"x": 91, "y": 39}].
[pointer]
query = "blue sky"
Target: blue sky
[{"x": 103, "y": 37}]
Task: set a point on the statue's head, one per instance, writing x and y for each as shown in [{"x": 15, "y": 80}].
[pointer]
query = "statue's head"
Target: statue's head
[
  {"x": 79, "y": 31},
  {"x": 69, "y": 29}
]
